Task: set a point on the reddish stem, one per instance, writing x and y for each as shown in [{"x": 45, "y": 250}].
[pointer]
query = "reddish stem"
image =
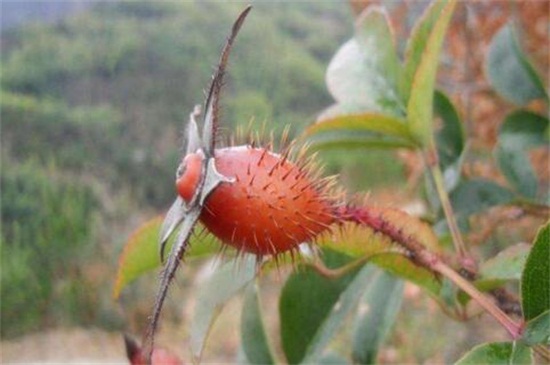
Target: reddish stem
[
  {"x": 414, "y": 249},
  {"x": 419, "y": 254}
]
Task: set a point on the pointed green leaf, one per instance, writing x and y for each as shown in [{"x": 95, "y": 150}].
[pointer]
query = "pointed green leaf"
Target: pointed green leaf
[
  {"x": 420, "y": 105},
  {"x": 367, "y": 121},
  {"x": 357, "y": 139},
  {"x": 516, "y": 167},
  {"x": 535, "y": 281},
  {"x": 363, "y": 72},
  {"x": 520, "y": 131},
  {"x": 224, "y": 284},
  {"x": 497, "y": 353},
  {"x": 537, "y": 330},
  {"x": 509, "y": 71},
  {"x": 305, "y": 301},
  {"x": 476, "y": 195},
  {"x": 253, "y": 337},
  {"x": 365, "y": 130},
  {"x": 449, "y": 135},
  {"x": 377, "y": 314},
  {"x": 507, "y": 264},
  {"x": 140, "y": 254},
  {"x": 416, "y": 46},
  {"x": 523, "y": 128},
  {"x": 332, "y": 323}
]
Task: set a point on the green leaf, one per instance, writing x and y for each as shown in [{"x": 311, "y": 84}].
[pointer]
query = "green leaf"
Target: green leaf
[
  {"x": 449, "y": 135},
  {"x": 523, "y": 128},
  {"x": 497, "y": 353},
  {"x": 449, "y": 139},
  {"x": 356, "y": 139},
  {"x": 535, "y": 281},
  {"x": 225, "y": 283},
  {"x": 253, "y": 336},
  {"x": 507, "y": 264},
  {"x": 420, "y": 104},
  {"x": 377, "y": 314},
  {"x": 361, "y": 241},
  {"x": 332, "y": 358},
  {"x": 363, "y": 72},
  {"x": 520, "y": 131},
  {"x": 516, "y": 167},
  {"x": 476, "y": 195},
  {"x": 416, "y": 46},
  {"x": 537, "y": 330},
  {"x": 368, "y": 129},
  {"x": 140, "y": 254},
  {"x": 305, "y": 301},
  {"x": 509, "y": 71},
  {"x": 347, "y": 302}
]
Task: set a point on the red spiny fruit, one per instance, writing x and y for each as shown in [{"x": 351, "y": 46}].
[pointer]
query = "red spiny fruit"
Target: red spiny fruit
[
  {"x": 271, "y": 206},
  {"x": 159, "y": 356}
]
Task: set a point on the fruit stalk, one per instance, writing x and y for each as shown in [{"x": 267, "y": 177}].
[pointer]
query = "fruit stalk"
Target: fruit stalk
[
  {"x": 469, "y": 266},
  {"x": 427, "y": 259}
]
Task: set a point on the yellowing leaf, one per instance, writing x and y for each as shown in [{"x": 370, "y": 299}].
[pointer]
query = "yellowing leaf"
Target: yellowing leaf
[
  {"x": 140, "y": 254},
  {"x": 420, "y": 105},
  {"x": 364, "y": 129},
  {"x": 362, "y": 241}
]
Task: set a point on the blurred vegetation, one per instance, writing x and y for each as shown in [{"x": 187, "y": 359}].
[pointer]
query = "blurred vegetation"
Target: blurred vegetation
[
  {"x": 92, "y": 111},
  {"x": 47, "y": 230}
]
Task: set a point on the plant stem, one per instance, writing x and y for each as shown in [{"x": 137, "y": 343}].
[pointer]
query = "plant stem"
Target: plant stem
[
  {"x": 460, "y": 247},
  {"x": 542, "y": 351},
  {"x": 512, "y": 327},
  {"x": 420, "y": 255}
]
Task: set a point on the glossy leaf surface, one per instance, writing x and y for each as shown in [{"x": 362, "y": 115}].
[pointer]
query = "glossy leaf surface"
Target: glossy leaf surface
[{"x": 535, "y": 281}]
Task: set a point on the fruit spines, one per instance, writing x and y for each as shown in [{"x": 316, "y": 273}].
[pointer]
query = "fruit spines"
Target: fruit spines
[
  {"x": 272, "y": 205},
  {"x": 378, "y": 222}
]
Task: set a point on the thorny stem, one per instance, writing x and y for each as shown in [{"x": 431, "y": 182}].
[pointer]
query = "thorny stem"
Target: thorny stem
[
  {"x": 419, "y": 254},
  {"x": 512, "y": 327},
  {"x": 466, "y": 260}
]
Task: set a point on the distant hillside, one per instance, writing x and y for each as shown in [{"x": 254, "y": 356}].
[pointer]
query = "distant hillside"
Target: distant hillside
[
  {"x": 93, "y": 107},
  {"x": 17, "y": 13},
  {"x": 146, "y": 64}
]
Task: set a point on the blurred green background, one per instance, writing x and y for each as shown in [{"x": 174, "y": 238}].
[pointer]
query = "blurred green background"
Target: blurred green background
[{"x": 93, "y": 105}]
